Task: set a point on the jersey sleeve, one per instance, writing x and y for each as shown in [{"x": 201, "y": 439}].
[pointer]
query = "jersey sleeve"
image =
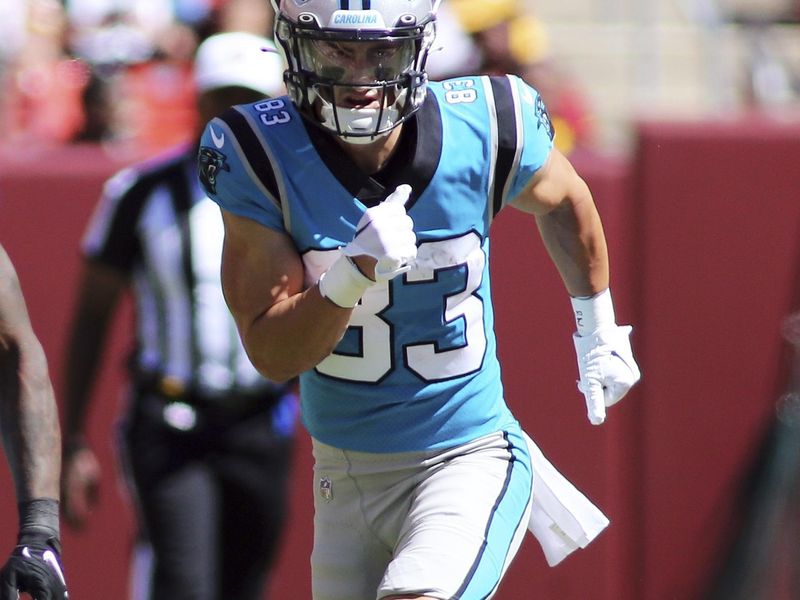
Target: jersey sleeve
[
  {"x": 536, "y": 139},
  {"x": 235, "y": 173}
]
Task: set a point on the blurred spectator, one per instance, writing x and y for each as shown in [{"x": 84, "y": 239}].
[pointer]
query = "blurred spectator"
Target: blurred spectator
[
  {"x": 206, "y": 440},
  {"x": 112, "y": 71},
  {"x": 253, "y": 16},
  {"x": 511, "y": 40},
  {"x": 42, "y": 86},
  {"x": 770, "y": 77},
  {"x": 139, "y": 57},
  {"x": 13, "y": 32},
  {"x": 454, "y": 52}
]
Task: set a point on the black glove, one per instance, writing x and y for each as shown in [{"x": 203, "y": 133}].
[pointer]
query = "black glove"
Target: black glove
[{"x": 34, "y": 566}]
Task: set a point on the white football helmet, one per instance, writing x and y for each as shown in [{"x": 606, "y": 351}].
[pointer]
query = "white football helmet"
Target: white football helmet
[{"x": 338, "y": 47}]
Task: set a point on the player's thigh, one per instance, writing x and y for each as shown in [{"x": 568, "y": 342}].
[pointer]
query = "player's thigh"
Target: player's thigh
[
  {"x": 466, "y": 523},
  {"x": 349, "y": 558}
]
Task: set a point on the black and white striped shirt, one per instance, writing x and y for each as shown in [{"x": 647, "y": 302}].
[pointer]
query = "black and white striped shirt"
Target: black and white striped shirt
[{"x": 155, "y": 224}]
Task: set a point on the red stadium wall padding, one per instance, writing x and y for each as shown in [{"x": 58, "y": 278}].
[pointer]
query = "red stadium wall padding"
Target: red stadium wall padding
[{"x": 717, "y": 214}]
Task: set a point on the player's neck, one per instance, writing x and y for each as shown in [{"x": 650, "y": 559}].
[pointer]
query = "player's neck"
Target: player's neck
[{"x": 370, "y": 158}]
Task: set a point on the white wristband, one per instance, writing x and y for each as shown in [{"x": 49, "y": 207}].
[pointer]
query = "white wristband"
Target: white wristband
[
  {"x": 593, "y": 312},
  {"x": 343, "y": 284}
]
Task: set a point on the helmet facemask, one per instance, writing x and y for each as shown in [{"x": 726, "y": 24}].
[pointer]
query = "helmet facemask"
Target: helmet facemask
[{"x": 354, "y": 83}]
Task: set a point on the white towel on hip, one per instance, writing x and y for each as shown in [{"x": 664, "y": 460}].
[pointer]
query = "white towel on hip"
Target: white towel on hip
[{"x": 562, "y": 518}]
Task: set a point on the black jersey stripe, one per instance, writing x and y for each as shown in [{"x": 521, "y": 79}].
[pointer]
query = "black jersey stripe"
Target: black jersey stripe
[
  {"x": 181, "y": 197},
  {"x": 251, "y": 147},
  {"x": 506, "y": 137},
  {"x": 428, "y": 151},
  {"x": 120, "y": 248}
]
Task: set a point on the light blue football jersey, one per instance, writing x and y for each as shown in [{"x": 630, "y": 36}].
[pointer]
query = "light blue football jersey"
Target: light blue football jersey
[{"x": 417, "y": 367}]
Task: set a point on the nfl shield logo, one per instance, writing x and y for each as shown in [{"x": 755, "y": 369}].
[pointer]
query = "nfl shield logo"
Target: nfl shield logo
[{"x": 325, "y": 488}]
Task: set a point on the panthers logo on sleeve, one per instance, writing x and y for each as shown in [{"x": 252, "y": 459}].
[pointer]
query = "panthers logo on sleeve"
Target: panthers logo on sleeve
[
  {"x": 544, "y": 118},
  {"x": 210, "y": 163}
]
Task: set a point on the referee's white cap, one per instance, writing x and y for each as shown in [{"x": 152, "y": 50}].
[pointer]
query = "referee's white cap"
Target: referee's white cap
[{"x": 240, "y": 59}]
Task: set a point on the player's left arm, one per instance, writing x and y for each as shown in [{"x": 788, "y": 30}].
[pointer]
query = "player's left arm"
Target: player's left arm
[
  {"x": 28, "y": 414},
  {"x": 30, "y": 433},
  {"x": 572, "y": 231},
  {"x": 569, "y": 224}
]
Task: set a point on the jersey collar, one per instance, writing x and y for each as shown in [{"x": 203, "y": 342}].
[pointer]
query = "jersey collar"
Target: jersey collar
[{"x": 414, "y": 162}]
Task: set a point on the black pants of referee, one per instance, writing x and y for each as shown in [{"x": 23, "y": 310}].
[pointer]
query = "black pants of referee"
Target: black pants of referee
[{"x": 211, "y": 499}]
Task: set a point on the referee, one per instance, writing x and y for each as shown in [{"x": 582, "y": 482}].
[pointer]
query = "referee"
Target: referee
[{"x": 206, "y": 441}]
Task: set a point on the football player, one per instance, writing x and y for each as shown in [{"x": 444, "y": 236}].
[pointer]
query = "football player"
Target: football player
[{"x": 357, "y": 213}]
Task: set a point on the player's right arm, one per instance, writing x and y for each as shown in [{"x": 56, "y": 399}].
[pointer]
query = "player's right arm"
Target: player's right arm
[{"x": 285, "y": 328}]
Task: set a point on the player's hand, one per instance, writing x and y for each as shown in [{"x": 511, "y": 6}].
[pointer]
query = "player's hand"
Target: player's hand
[
  {"x": 607, "y": 368},
  {"x": 34, "y": 567},
  {"x": 386, "y": 234},
  {"x": 80, "y": 484}
]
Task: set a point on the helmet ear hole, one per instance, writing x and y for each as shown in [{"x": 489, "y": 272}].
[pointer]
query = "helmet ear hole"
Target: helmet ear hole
[
  {"x": 306, "y": 19},
  {"x": 407, "y": 20}
]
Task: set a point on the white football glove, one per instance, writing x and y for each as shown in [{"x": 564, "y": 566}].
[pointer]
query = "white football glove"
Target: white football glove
[
  {"x": 607, "y": 368},
  {"x": 386, "y": 233}
]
